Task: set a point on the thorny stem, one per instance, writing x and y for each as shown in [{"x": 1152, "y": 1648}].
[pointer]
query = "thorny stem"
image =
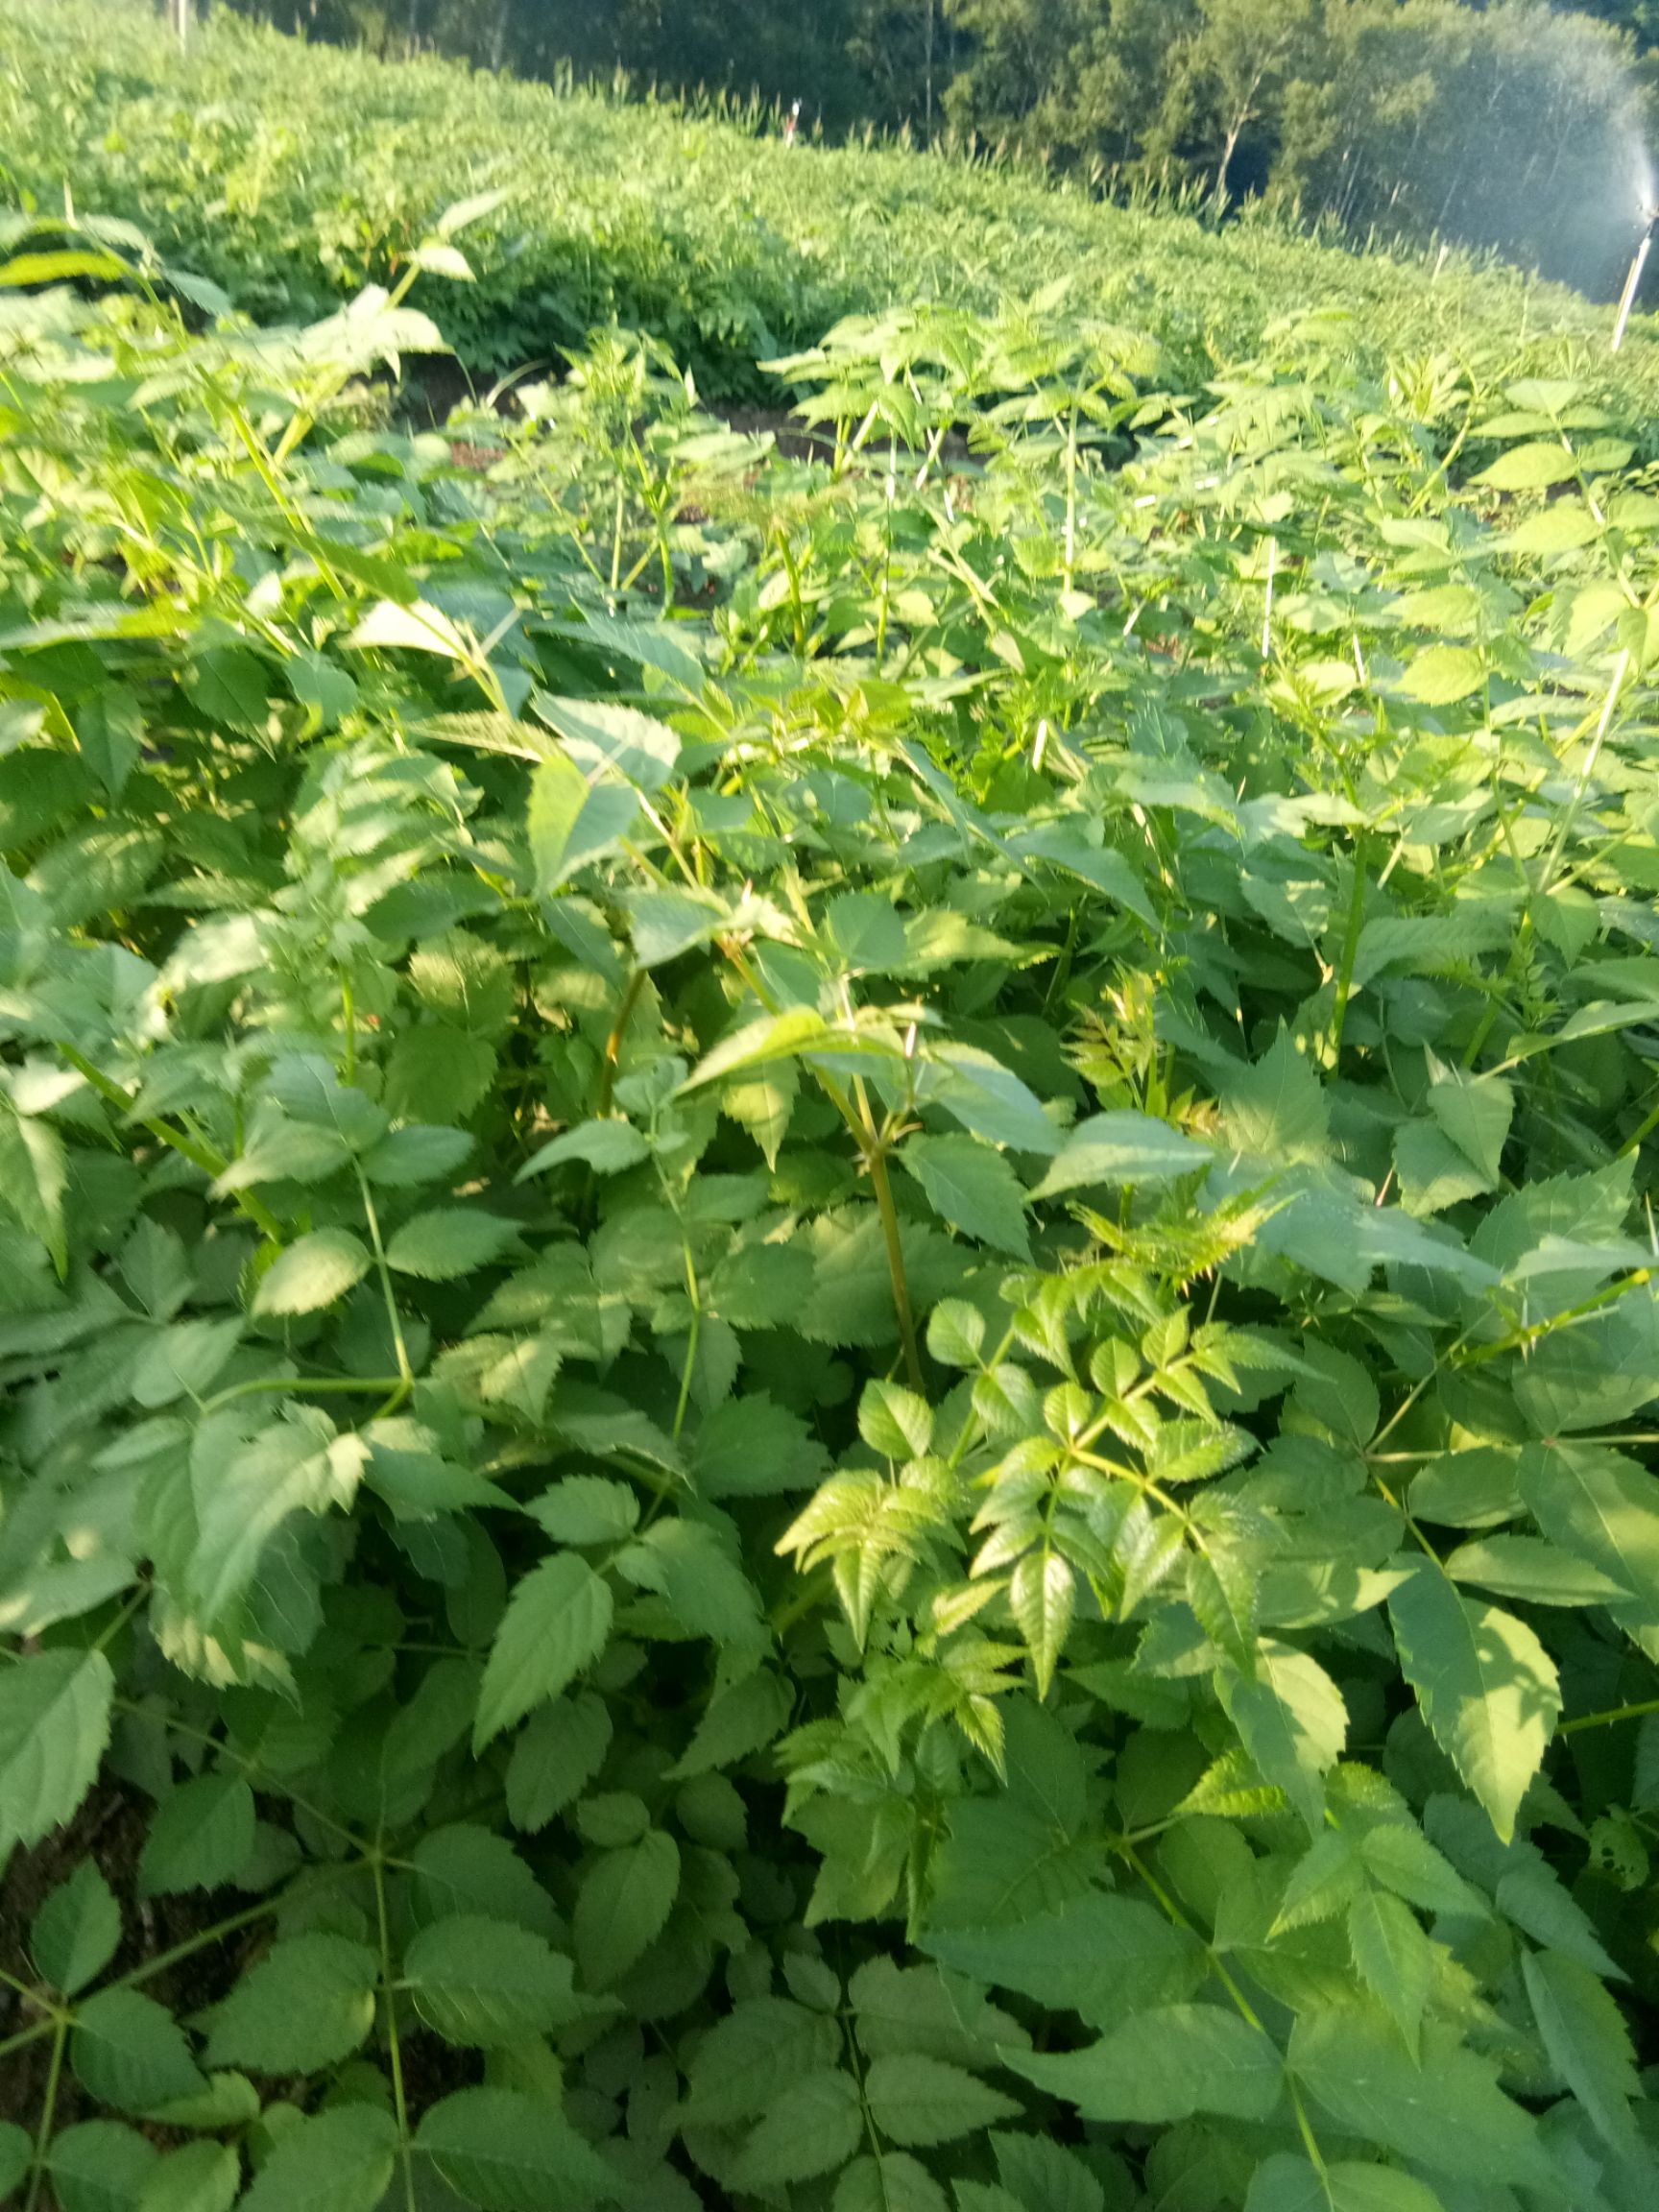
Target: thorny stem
[
  {"x": 205, "y": 1937},
  {"x": 1606, "y": 1719}
]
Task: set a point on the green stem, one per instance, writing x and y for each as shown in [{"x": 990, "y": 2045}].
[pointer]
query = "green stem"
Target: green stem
[
  {"x": 1350, "y": 949},
  {"x": 882, "y": 1187},
  {"x": 405, "y": 1372},
  {"x": 349, "y": 1013},
  {"x": 614, "y": 1042},
  {"x": 200, "y": 1155},
  {"x": 48, "y": 2113},
  {"x": 205, "y": 1937},
  {"x": 307, "y": 1386},
  {"x": 393, "y": 2047},
  {"x": 1606, "y": 1719},
  {"x": 693, "y": 1340},
  {"x": 33, "y": 1996},
  {"x": 27, "y": 2035}
]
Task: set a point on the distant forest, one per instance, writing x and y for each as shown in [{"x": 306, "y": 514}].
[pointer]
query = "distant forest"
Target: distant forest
[{"x": 1516, "y": 125}]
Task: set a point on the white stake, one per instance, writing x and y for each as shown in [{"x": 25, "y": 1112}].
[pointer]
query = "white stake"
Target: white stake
[{"x": 1633, "y": 282}]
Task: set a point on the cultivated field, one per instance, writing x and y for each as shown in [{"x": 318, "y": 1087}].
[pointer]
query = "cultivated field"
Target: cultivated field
[{"x": 825, "y": 1296}]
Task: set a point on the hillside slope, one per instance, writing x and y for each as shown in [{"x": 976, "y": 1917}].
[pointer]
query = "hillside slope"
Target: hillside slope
[{"x": 294, "y": 179}]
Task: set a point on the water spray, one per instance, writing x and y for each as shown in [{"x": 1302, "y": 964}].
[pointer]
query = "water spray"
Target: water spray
[{"x": 1633, "y": 282}]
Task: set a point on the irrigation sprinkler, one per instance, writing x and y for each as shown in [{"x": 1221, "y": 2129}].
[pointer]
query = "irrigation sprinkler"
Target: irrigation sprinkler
[{"x": 1633, "y": 282}]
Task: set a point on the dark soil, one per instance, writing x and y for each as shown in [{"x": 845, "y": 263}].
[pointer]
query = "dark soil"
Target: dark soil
[{"x": 109, "y": 1829}]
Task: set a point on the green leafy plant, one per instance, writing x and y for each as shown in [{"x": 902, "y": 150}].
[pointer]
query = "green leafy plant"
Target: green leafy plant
[{"x": 827, "y": 1300}]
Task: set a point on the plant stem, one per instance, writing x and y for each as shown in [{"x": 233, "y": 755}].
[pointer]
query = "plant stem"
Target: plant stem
[
  {"x": 200, "y": 1155},
  {"x": 48, "y": 2113},
  {"x": 393, "y": 2047},
  {"x": 349, "y": 1014},
  {"x": 306, "y": 1385},
  {"x": 1606, "y": 1719},
  {"x": 405, "y": 1372},
  {"x": 1350, "y": 950},
  {"x": 882, "y": 1186},
  {"x": 614, "y": 1042}
]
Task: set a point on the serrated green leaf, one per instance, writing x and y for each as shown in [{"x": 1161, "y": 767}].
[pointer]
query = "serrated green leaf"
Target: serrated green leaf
[
  {"x": 1475, "y": 1112},
  {"x": 100, "y": 2166},
  {"x": 1487, "y": 1687},
  {"x": 1447, "y": 2114},
  {"x": 340, "y": 2160},
  {"x": 1122, "y": 1149},
  {"x": 16, "y": 2150},
  {"x": 1537, "y": 1573},
  {"x": 891, "y": 2182},
  {"x": 893, "y": 1421},
  {"x": 1277, "y": 1110},
  {"x": 200, "y": 1837},
  {"x": 201, "y": 2178},
  {"x": 465, "y": 1868},
  {"x": 556, "y": 1624},
  {"x": 609, "y": 1148},
  {"x": 1100, "y": 1956},
  {"x": 555, "y": 1756},
  {"x": 692, "y": 1571},
  {"x": 1535, "y": 467},
  {"x": 665, "y": 924},
  {"x": 506, "y": 2151},
  {"x": 1292, "y": 1721},
  {"x": 1043, "y": 1596},
  {"x": 129, "y": 2052},
  {"x": 488, "y": 1983},
  {"x": 1393, "y": 1959},
  {"x": 416, "y": 1154},
  {"x": 811, "y": 2127},
  {"x": 1441, "y": 675},
  {"x": 757, "y": 2051},
  {"x": 572, "y": 822},
  {"x": 76, "y": 1930},
  {"x": 313, "y": 1272},
  {"x": 1589, "y": 2044},
  {"x": 972, "y": 1188},
  {"x": 1289, "y": 2183},
  {"x": 1167, "y": 2064},
  {"x": 1405, "y": 1861},
  {"x": 54, "y": 1725},
  {"x": 624, "y": 1905},
  {"x": 1602, "y": 1507},
  {"x": 224, "y": 2101},
  {"x": 586, "y": 1509},
  {"x": 918, "y": 2101},
  {"x": 735, "y": 1724},
  {"x": 1043, "y": 2174},
  {"x": 308, "y": 2003},
  {"x": 450, "y": 1241}
]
